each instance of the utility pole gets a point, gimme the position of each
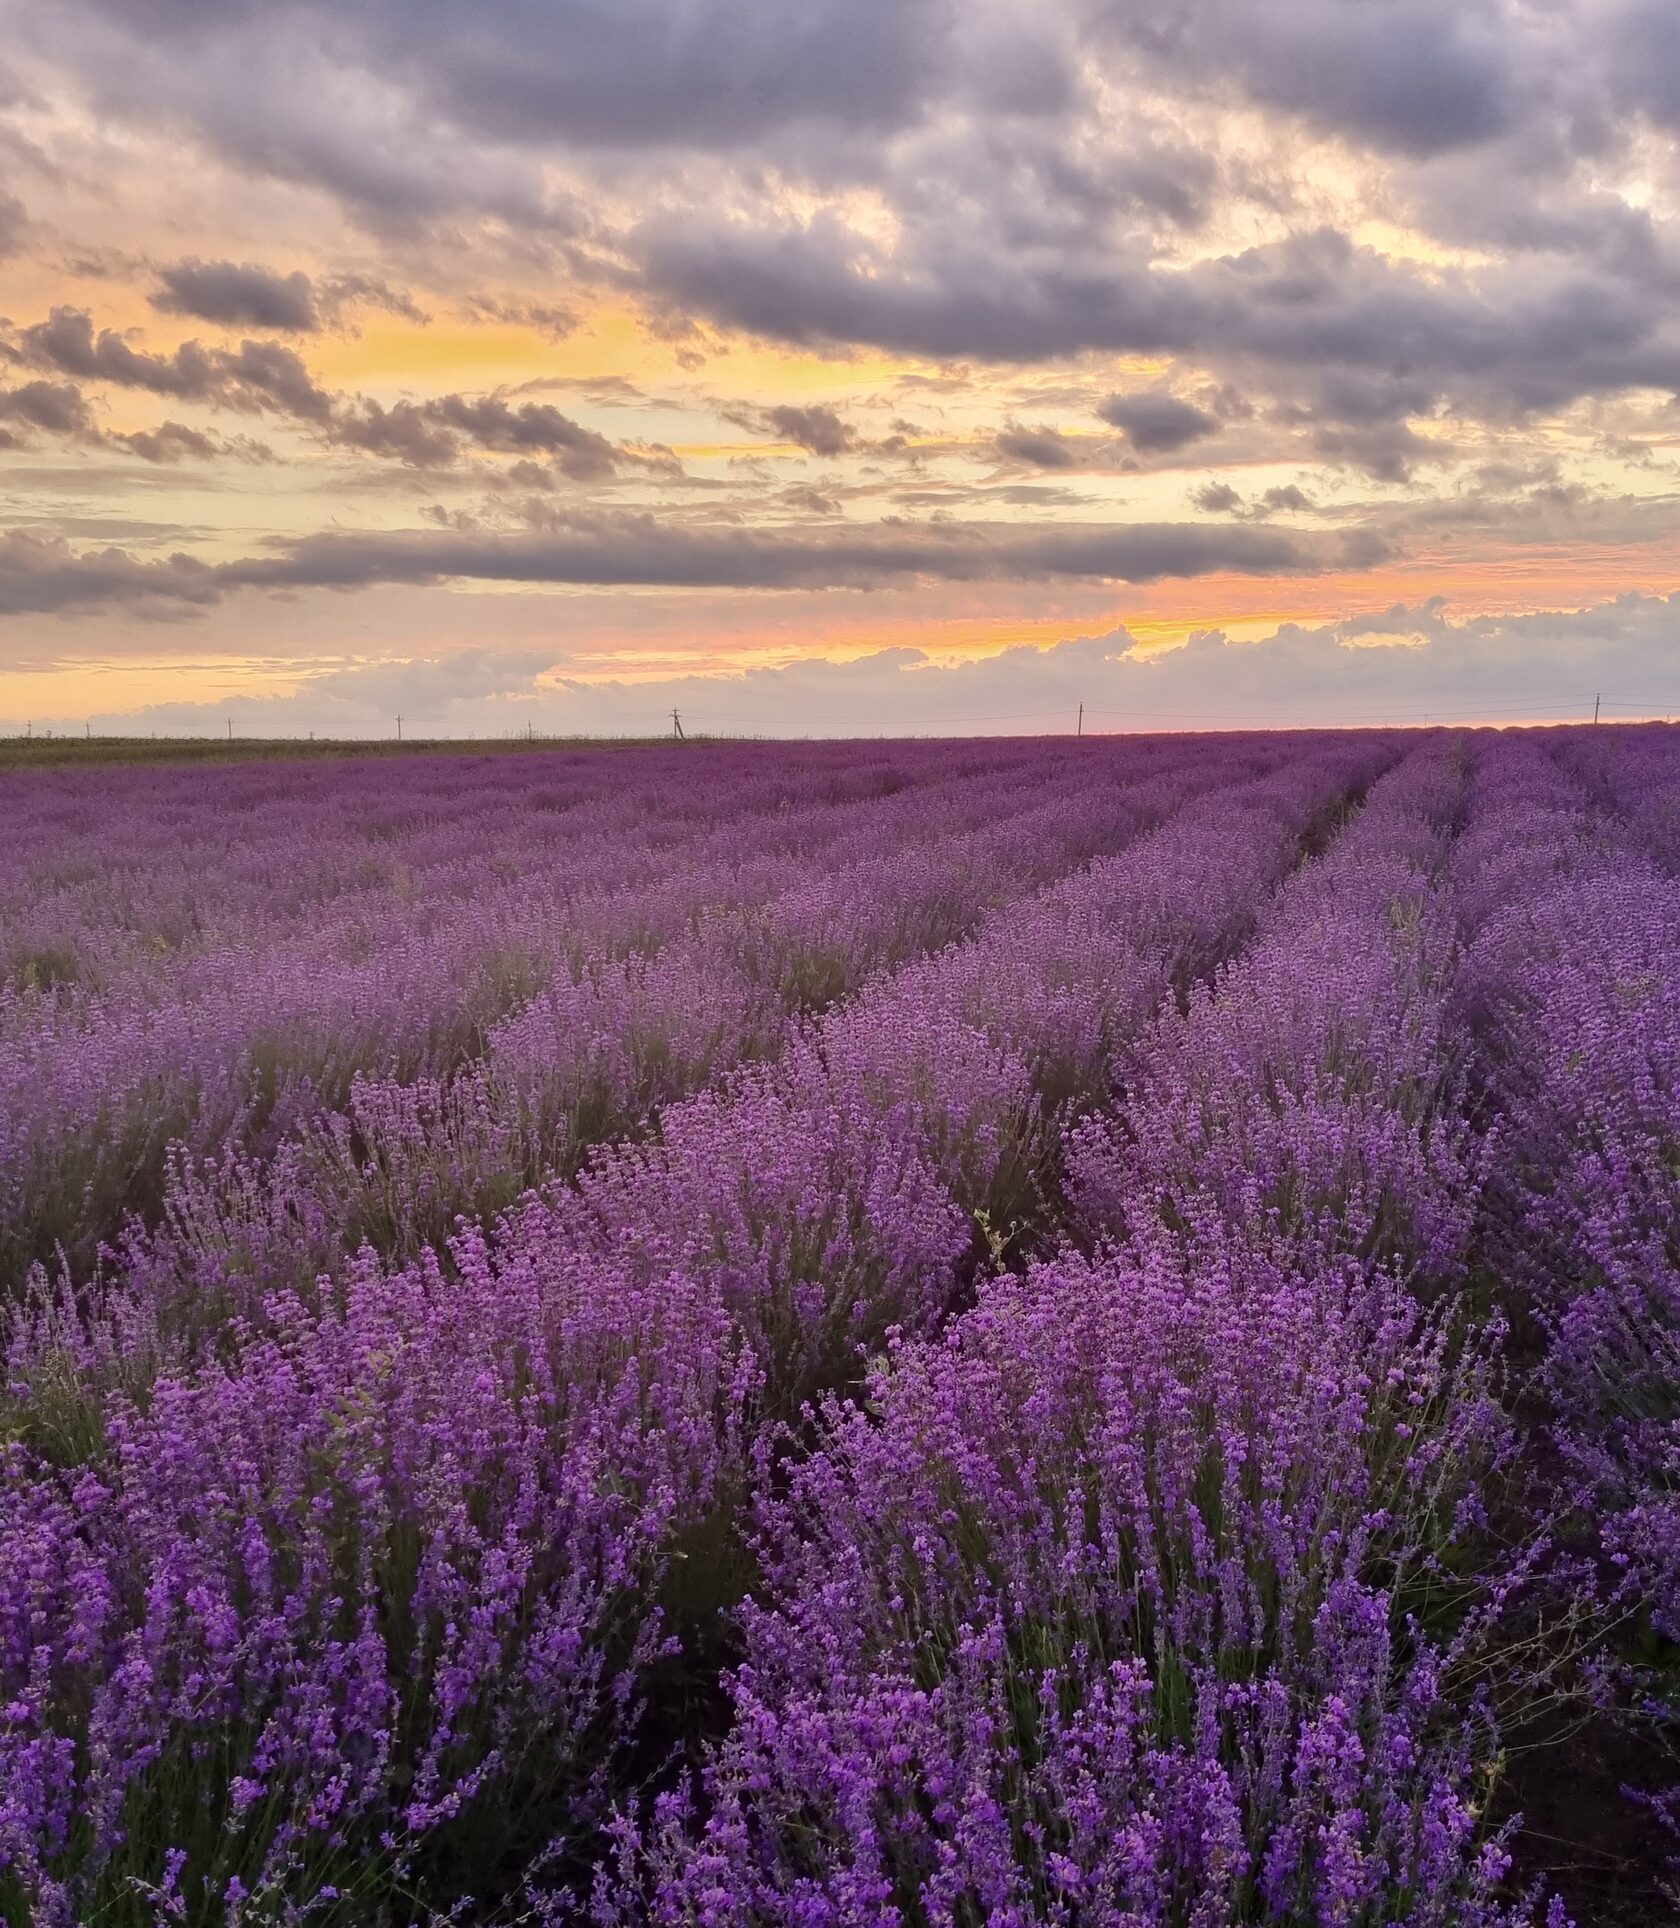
(677, 728)
(1596, 701)
(230, 729)
(399, 727)
(1081, 729)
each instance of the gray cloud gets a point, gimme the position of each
(1218, 498)
(268, 375)
(991, 186)
(1026, 215)
(1415, 77)
(630, 549)
(238, 295)
(14, 225)
(1042, 448)
(1399, 665)
(635, 73)
(432, 434)
(405, 432)
(173, 442)
(1311, 319)
(548, 319)
(1643, 39)
(41, 574)
(815, 427)
(256, 375)
(634, 549)
(1287, 496)
(58, 408)
(1156, 423)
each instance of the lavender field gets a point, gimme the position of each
(1046, 1331)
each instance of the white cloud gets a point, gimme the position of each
(1401, 665)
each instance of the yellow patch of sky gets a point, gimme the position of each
(610, 341)
(97, 688)
(1402, 243)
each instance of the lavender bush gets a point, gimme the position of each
(826, 1335)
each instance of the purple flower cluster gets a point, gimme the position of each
(820, 1335)
(1116, 1602)
(235, 966)
(356, 1553)
(1574, 982)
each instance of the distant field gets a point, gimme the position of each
(969, 1332)
(67, 751)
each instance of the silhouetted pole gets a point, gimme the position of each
(230, 729)
(1081, 730)
(399, 729)
(677, 728)
(1596, 701)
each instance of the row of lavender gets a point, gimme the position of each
(315, 1594)
(307, 979)
(1164, 1588)
(1149, 1579)
(1573, 978)
(1143, 1594)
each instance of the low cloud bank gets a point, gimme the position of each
(1407, 665)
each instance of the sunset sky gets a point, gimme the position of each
(823, 366)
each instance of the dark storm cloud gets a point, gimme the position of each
(238, 294)
(1377, 338)
(1156, 423)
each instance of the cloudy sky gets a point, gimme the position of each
(838, 364)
